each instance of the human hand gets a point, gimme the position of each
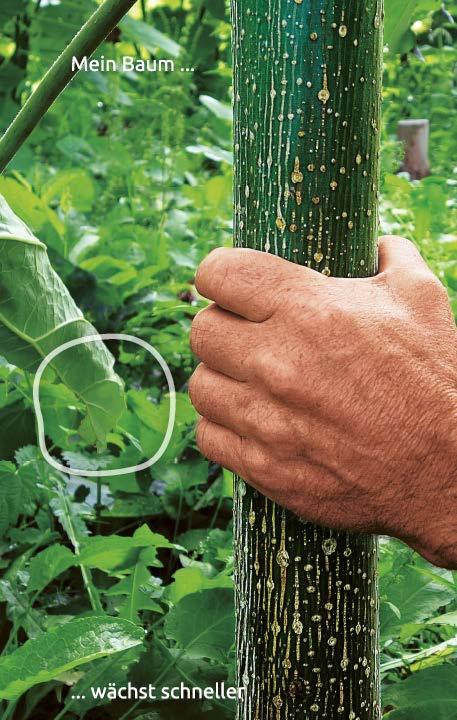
(336, 398)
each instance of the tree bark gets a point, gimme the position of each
(307, 86)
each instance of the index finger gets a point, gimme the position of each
(246, 281)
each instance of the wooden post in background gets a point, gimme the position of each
(414, 134)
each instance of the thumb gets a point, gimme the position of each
(396, 253)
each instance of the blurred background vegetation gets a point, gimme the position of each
(128, 182)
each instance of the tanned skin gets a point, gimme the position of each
(337, 398)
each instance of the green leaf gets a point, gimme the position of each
(203, 624)
(449, 618)
(430, 693)
(408, 596)
(191, 579)
(221, 111)
(62, 648)
(114, 669)
(73, 188)
(140, 588)
(213, 153)
(399, 17)
(47, 565)
(147, 36)
(29, 206)
(59, 406)
(184, 475)
(75, 149)
(113, 553)
(119, 554)
(134, 506)
(38, 314)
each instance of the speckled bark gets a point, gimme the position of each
(307, 80)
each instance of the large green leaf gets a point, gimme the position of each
(62, 648)
(399, 16)
(409, 594)
(397, 27)
(38, 314)
(47, 565)
(430, 693)
(120, 553)
(203, 624)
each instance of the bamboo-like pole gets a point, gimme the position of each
(307, 90)
(93, 32)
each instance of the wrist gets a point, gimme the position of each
(440, 517)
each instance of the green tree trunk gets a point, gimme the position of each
(307, 85)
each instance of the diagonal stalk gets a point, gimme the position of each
(85, 42)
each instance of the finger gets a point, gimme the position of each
(220, 398)
(247, 282)
(224, 341)
(306, 489)
(238, 406)
(397, 253)
(221, 445)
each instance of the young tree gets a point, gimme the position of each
(307, 86)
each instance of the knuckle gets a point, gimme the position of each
(252, 460)
(265, 364)
(194, 386)
(191, 388)
(201, 434)
(253, 416)
(196, 334)
(282, 382)
(207, 268)
(215, 268)
(199, 331)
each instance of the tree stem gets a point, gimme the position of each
(95, 30)
(307, 90)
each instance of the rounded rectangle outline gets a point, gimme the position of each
(39, 415)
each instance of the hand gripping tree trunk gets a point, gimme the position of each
(307, 77)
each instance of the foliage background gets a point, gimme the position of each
(128, 181)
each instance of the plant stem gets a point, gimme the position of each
(72, 533)
(93, 32)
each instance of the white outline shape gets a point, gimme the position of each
(39, 416)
